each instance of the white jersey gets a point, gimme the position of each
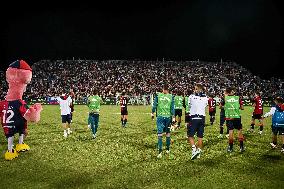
(197, 105)
(65, 105)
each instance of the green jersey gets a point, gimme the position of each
(178, 102)
(232, 107)
(94, 103)
(164, 105)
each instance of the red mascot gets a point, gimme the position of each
(14, 112)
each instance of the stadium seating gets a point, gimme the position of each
(138, 78)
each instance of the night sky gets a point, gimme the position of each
(248, 32)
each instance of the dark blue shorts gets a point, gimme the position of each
(124, 111)
(187, 118)
(234, 124)
(212, 113)
(277, 130)
(66, 118)
(256, 116)
(163, 124)
(178, 112)
(222, 119)
(12, 130)
(196, 126)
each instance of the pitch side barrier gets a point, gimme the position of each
(135, 100)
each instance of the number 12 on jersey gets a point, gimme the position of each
(5, 114)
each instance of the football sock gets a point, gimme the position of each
(65, 131)
(160, 143)
(10, 143)
(178, 124)
(221, 130)
(168, 142)
(241, 144)
(252, 126)
(121, 121)
(241, 140)
(261, 128)
(283, 146)
(274, 142)
(231, 143)
(125, 121)
(21, 138)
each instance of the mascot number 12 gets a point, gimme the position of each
(14, 112)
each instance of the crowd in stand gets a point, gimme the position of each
(140, 78)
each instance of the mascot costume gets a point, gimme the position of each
(14, 112)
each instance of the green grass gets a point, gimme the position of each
(126, 157)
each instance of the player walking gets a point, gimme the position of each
(94, 104)
(123, 108)
(178, 99)
(198, 102)
(233, 105)
(212, 108)
(257, 113)
(164, 106)
(65, 103)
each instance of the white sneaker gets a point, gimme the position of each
(65, 134)
(69, 131)
(260, 132)
(159, 155)
(94, 136)
(220, 136)
(273, 145)
(89, 126)
(227, 135)
(198, 156)
(282, 150)
(167, 151)
(194, 155)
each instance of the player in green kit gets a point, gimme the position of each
(186, 106)
(233, 105)
(164, 105)
(178, 107)
(94, 103)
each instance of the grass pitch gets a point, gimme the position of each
(126, 157)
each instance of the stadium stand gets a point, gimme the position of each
(140, 79)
